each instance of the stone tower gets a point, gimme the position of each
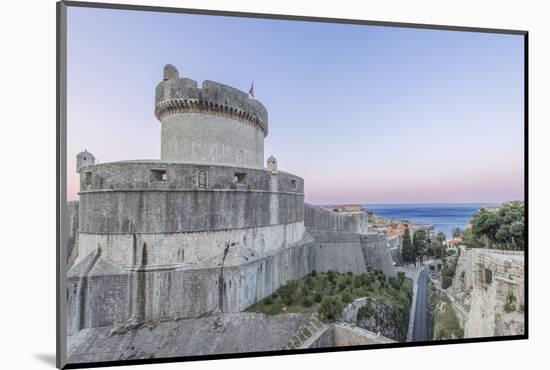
(84, 159)
(213, 124)
(207, 228)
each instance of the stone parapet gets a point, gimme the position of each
(165, 175)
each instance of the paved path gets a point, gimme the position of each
(421, 328)
(411, 272)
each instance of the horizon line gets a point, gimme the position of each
(413, 203)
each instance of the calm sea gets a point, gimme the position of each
(444, 217)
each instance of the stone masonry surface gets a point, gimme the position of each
(228, 333)
(488, 292)
(202, 233)
(213, 124)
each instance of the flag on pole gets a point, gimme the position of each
(251, 90)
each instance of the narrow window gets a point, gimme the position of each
(488, 276)
(240, 178)
(293, 184)
(158, 175)
(202, 179)
(88, 178)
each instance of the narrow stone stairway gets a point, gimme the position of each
(313, 326)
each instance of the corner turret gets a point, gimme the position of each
(272, 165)
(84, 159)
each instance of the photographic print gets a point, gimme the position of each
(251, 185)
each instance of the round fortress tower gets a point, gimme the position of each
(212, 124)
(207, 228)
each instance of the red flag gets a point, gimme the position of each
(251, 90)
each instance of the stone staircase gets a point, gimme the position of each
(313, 326)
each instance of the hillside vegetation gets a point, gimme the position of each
(445, 323)
(498, 228)
(329, 292)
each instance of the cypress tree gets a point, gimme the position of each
(407, 248)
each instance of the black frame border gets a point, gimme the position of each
(61, 171)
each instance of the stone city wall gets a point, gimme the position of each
(497, 303)
(377, 253)
(488, 292)
(347, 234)
(188, 198)
(101, 293)
(323, 219)
(189, 247)
(140, 175)
(184, 211)
(395, 244)
(337, 250)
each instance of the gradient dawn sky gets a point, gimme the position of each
(364, 114)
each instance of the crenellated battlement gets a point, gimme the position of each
(182, 95)
(211, 124)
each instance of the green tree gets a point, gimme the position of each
(503, 228)
(486, 224)
(420, 244)
(440, 247)
(457, 232)
(407, 248)
(469, 238)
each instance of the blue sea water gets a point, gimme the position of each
(444, 217)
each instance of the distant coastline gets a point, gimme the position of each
(443, 216)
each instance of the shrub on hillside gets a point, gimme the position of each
(287, 292)
(346, 297)
(318, 298)
(331, 309)
(307, 301)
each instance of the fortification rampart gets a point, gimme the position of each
(207, 228)
(162, 175)
(395, 243)
(102, 293)
(323, 219)
(189, 248)
(185, 213)
(159, 197)
(338, 250)
(228, 277)
(377, 253)
(346, 236)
